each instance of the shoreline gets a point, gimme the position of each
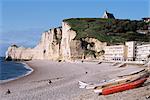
(25, 65)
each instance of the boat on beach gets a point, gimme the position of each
(121, 87)
(118, 84)
(116, 81)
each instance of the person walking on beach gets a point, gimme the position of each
(49, 82)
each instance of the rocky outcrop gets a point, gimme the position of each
(48, 47)
(70, 48)
(57, 44)
(19, 53)
(75, 49)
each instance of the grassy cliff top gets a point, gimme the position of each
(109, 30)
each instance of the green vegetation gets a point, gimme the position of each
(109, 30)
(90, 52)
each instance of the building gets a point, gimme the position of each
(147, 19)
(108, 15)
(142, 52)
(131, 51)
(115, 52)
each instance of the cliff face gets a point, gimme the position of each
(19, 53)
(48, 47)
(56, 44)
(70, 48)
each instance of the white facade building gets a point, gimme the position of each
(116, 52)
(128, 52)
(142, 52)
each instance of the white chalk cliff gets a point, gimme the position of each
(56, 44)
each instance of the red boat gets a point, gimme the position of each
(123, 87)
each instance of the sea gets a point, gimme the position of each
(11, 70)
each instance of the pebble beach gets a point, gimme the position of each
(59, 81)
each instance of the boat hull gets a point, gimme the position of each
(124, 80)
(123, 87)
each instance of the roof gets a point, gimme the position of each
(108, 15)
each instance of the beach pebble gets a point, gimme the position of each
(147, 97)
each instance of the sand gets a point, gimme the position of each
(64, 77)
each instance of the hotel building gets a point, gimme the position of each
(131, 51)
(142, 51)
(115, 52)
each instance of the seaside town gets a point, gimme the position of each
(103, 58)
(134, 51)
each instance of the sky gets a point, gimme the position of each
(23, 21)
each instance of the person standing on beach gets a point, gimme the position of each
(8, 92)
